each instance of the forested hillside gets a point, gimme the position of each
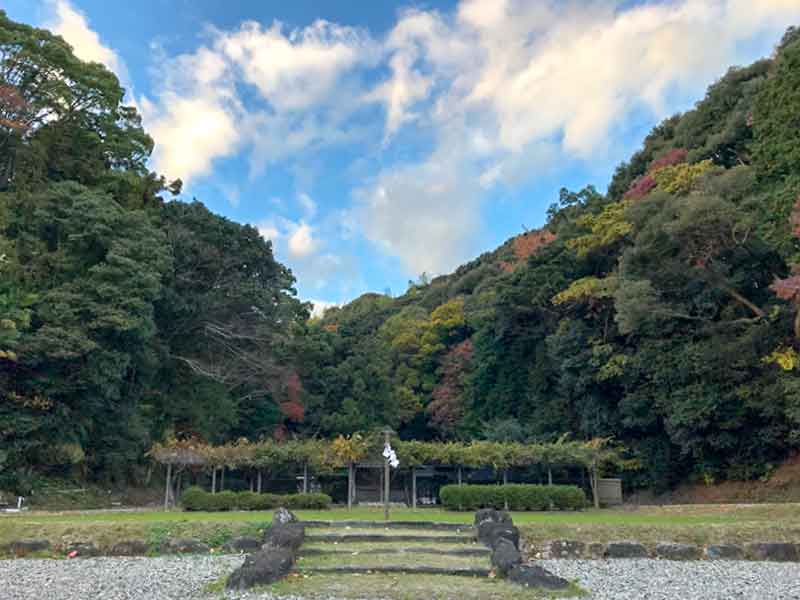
(663, 313)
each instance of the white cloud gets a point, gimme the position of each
(73, 26)
(297, 69)
(301, 242)
(320, 306)
(308, 205)
(508, 86)
(500, 91)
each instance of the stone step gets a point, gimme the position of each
(421, 550)
(345, 538)
(431, 525)
(420, 570)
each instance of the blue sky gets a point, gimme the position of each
(374, 141)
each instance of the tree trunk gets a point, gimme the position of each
(167, 486)
(549, 476)
(258, 484)
(505, 483)
(214, 480)
(305, 478)
(460, 478)
(222, 478)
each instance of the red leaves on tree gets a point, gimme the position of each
(447, 407)
(527, 244)
(671, 158)
(641, 187)
(12, 104)
(647, 183)
(292, 407)
(789, 288)
(794, 219)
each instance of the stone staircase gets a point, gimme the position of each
(363, 547)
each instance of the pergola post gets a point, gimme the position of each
(386, 481)
(593, 482)
(350, 485)
(167, 486)
(414, 488)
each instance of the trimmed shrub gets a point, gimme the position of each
(307, 501)
(195, 498)
(518, 496)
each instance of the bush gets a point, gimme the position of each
(195, 498)
(518, 496)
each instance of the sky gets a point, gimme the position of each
(375, 141)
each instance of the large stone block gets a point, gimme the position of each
(262, 568)
(22, 548)
(289, 536)
(773, 551)
(672, 551)
(505, 556)
(724, 552)
(536, 577)
(626, 549)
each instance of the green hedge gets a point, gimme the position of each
(518, 496)
(195, 498)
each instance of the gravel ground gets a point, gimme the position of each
(644, 579)
(183, 578)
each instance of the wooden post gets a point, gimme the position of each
(350, 486)
(414, 488)
(305, 478)
(258, 482)
(386, 436)
(167, 487)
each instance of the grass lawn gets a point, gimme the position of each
(697, 524)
